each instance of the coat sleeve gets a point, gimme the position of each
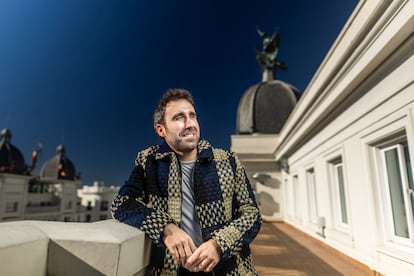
(132, 206)
(245, 224)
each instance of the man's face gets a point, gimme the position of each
(180, 130)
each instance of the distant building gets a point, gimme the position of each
(341, 166)
(55, 195)
(97, 199)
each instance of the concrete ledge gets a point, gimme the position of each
(100, 248)
(23, 249)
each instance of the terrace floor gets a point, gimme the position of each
(281, 249)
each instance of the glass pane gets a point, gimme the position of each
(341, 187)
(409, 174)
(396, 193)
(312, 195)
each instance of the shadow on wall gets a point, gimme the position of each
(273, 183)
(266, 180)
(268, 206)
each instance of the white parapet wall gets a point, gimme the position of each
(23, 249)
(64, 248)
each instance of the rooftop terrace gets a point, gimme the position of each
(113, 248)
(281, 249)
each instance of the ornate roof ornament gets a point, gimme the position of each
(267, 56)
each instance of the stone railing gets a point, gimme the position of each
(67, 248)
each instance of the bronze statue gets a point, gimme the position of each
(267, 57)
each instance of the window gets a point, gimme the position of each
(296, 196)
(398, 190)
(11, 206)
(339, 194)
(313, 209)
(104, 205)
(390, 154)
(288, 198)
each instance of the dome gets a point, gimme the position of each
(265, 107)
(11, 159)
(58, 167)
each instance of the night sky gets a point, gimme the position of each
(88, 73)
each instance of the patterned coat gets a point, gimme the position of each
(225, 205)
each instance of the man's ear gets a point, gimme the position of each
(160, 129)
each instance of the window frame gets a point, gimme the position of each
(395, 141)
(337, 201)
(312, 196)
(296, 197)
(381, 134)
(288, 194)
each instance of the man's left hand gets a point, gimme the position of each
(204, 258)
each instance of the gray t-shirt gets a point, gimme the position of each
(189, 220)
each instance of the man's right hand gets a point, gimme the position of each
(178, 242)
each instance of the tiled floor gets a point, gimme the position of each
(281, 249)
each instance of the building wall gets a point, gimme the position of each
(350, 141)
(256, 153)
(13, 196)
(56, 201)
(368, 231)
(98, 198)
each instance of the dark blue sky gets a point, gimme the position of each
(89, 73)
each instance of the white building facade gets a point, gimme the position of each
(97, 199)
(343, 159)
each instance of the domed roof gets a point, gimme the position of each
(58, 167)
(11, 159)
(265, 107)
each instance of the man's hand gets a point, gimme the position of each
(178, 242)
(205, 257)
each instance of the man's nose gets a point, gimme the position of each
(190, 122)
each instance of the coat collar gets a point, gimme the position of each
(205, 151)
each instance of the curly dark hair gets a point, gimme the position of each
(172, 94)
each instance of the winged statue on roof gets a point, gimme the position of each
(266, 57)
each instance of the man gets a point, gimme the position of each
(194, 201)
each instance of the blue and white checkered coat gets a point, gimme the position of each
(225, 205)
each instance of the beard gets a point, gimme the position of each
(182, 143)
